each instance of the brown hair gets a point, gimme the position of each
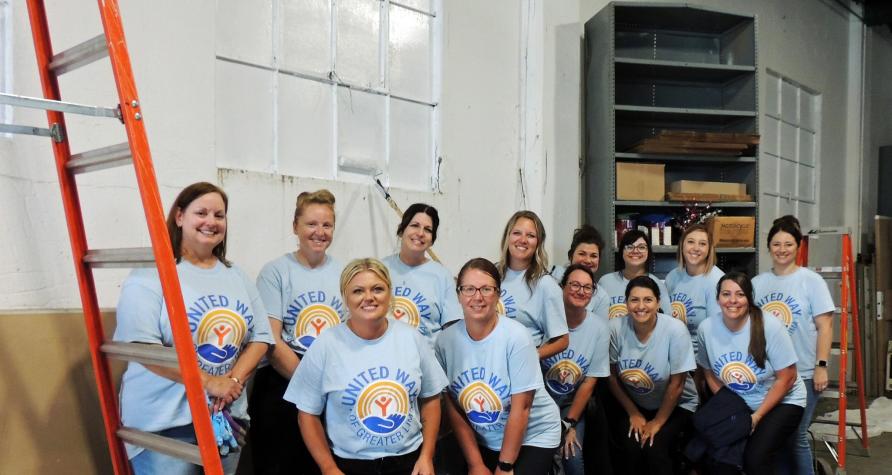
(585, 234)
(182, 201)
(710, 258)
(788, 224)
(410, 213)
(318, 197)
(483, 265)
(757, 323)
(539, 263)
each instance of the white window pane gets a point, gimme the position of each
(360, 130)
(305, 135)
(359, 23)
(789, 102)
(306, 36)
(244, 31)
(423, 5)
(772, 95)
(786, 177)
(786, 206)
(768, 172)
(789, 137)
(770, 136)
(808, 110)
(807, 216)
(410, 145)
(410, 54)
(806, 182)
(806, 147)
(244, 117)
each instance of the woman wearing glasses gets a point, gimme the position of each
(526, 296)
(570, 375)
(635, 247)
(423, 292)
(302, 299)
(585, 249)
(503, 418)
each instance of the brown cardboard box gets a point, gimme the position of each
(640, 181)
(732, 231)
(710, 187)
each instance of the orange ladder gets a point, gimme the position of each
(848, 302)
(136, 151)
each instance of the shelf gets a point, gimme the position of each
(679, 114)
(679, 70)
(680, 204)
(658, 157)
(718, 250)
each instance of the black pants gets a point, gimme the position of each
(276, 444)
(596, 445)
(660, 458)
(763, 445)
(396, 465)
(530, 461)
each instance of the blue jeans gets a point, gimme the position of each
(796, 458)
(148, 462)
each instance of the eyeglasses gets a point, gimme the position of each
(470, 290)
(633, 248)
(576, 287)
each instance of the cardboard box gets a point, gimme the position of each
(732, 231)
(709, 187)
(640, 181)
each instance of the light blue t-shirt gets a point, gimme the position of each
(726, 354)
(307, 301)
(645, 368)
(225, 313)
(368, 389)
(600, 303)
(586, 356)
(693, 298)
(796, 299)
(423, 296)
(615, 285)
(540, 311)
(483, 375)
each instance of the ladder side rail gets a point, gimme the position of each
(148, 189)
(848, 255)
(74, 219)
(843, 361)
(802, 257)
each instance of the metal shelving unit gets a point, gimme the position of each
(656, 66)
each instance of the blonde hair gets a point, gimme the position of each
(539, 263)
(318, 197)
(710, 258)
(370, 264)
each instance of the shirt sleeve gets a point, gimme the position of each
(269, 287)
(601, 302)
(665, 300)
(702, 355)
(712, 302)
(451, 308)
(778, 344)
(305, 388)
(819, 296)
(523, 363)
(552, 308)
(615, 339)
(681, 351)
(261, 331)
(139, 311)
(600, 363)
(433, 379)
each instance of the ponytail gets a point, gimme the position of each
(757, 336)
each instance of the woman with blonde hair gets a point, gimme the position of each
(376, 381)
(302, 299)
(535, 302)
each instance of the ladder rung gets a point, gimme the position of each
(47, 104)
(79, 55)
(125, 257)
(25, 130)
(827, 269)
(142, 353)
(165, 445)
(99, 159)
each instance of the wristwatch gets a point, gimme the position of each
(570, 422)
(821, 364)
(506, 466)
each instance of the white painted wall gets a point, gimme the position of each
(499, 115)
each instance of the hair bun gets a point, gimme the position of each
(788, 219)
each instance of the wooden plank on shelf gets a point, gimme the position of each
(720, 137)
(706, 197)
(674, 149)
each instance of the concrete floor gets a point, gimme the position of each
(879, 461)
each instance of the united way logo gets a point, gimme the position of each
(779, 310)
(637, 380)
(738, 376)
(220, 335)
(312, 320)
(481, 404)
(562, 377)
(679, 311)
(383, 406)
(405, 311)
(617, 310)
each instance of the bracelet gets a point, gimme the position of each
(235, 379)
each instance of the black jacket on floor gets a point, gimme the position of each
(722, 427)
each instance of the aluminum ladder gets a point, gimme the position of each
(845, 273)
(135, 151)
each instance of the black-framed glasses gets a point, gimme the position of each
(470, 290)
(576, 287)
